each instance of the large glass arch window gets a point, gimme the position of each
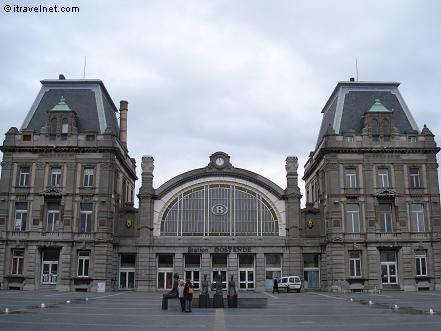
(219, 210)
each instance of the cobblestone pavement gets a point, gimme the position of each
(285, 311)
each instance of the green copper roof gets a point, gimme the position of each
(61, 106)
(378, 107)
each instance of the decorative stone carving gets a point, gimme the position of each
(6, 165)
(426, 131)
(147, 164)
(292, 164)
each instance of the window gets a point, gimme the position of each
(24, 175)
(83, 263)
(21, 213)
(420, 263)
(383, 177)
(417, 217)
(88, 176)
(350, 178)
(53, 216)
(86, 217)
(17, 262)
(386, 128)
(385, 217)
(220, 209)
(64, 126)
(53, 127)
(355, 264)
(349, 139)
(27, 137)
(374, 126)
(412, 139)
(352, 218)
(414, 177)
(165, 271)
(55, 176)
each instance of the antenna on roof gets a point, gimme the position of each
(84, 68)
(356, 69)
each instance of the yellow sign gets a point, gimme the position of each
(309, 223)
(129, 223)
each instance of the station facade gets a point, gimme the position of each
(67, 216)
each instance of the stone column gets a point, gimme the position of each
(293, 196)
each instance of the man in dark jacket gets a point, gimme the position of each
(276, 286)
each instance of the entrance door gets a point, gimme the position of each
(311, 271)
(192, 269)
(127, 278)
(311, 278)
(246, 271)
(127, 271)
(246, 278)
(49, 267)
(388, 266)
(219, 264)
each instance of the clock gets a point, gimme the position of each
(219, 162)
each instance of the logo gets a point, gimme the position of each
(129, 223)
(219, 209)
(309, 223)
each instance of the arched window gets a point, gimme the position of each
(374, 127)
(64, 126)
(53, 128)
(219, 210)
(386, 127)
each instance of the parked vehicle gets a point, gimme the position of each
(290, 283)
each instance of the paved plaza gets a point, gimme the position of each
(285, 311)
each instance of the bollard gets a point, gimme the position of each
(87, 299)
(42, 305)
(431, 312)
(396, 306)
(370, 302)
(6, 310)
(351, 299)
(67, 301)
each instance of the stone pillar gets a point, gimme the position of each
(123, 109)
(146, 193)
(293, 196)
(64, 269)
(259, 267)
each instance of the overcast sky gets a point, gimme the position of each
(249, 78)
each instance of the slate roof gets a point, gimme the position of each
(349, 101)
(88, 98)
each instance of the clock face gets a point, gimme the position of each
(219, 162)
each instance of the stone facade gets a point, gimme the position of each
(67, 221)
(372, 189)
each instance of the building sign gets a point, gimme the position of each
(219, 209)
(219, 249)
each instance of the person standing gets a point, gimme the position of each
(181, 288)
(188, 294)
(276, 285)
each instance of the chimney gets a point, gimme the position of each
(123, 108)
(61, 77)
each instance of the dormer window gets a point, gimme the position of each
(53, 128)
(412, 139)
(378, 120)
(65, 126)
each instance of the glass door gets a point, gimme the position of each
(192, 269)
(388, 265)
(127, 271)
(49, 267)
(219, 264)
(246, 271)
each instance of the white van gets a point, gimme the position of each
(290, 283)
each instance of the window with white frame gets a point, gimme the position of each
(417, 217)
(83, 263)
(385, 217)
(412, 139)
(88, 175)
(355, 264)
(21, 213)
(86, 217)
(350, 178)
(421, 263)
(23, 177)
(383, 177)
(414, 177)
(53, 216)
(352, 218)
(55, 176)
(17, 262)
